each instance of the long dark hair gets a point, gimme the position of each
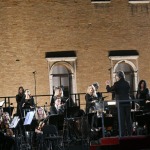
(139, 85)
(21, 87)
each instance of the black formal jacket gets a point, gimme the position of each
(121, 89)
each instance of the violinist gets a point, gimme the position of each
(40, 115)
(58, 107)
(58, 93)
(5, 121)
(41, 118)
(10, 142)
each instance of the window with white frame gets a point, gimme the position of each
(139, 1)
(62, 71)
(100, 1)
(126, 61)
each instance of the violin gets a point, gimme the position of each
(9, 131)
(42, 123)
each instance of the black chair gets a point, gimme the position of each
(51, 139)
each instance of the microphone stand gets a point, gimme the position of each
(35, 87)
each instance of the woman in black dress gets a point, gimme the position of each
(142, 93)
(19, 97)
(27, 102)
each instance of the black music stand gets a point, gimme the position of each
(108, 121)
(57, 120)
(71, 112)
(32, 126)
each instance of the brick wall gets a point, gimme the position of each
(29, 28)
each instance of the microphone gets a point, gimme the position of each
(34, 72)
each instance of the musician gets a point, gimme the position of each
(19, 97)
(99, 94)
(122, 88)
(27, 102)
(90, 98)
(41, 118)
(9, 139)
(58, 107)
(143, 93)
(40, 113)
(58, 93)
(6, 120)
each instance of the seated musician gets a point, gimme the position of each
(27, 103)
(57, 108)
(9, 139)
(41, 118)
(40, 115)
(58, 93)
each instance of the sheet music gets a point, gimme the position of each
(111, 103)
(14, 122)
(1, 103)
(29, 118)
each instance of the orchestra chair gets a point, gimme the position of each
(51, 139)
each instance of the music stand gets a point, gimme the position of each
(57, 120)
(71, 111)
(2, 103)
(29, 118)
(108, 121)
(14, 122)
(29, 125)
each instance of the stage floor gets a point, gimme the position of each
(124, 143)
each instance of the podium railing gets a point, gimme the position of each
(118, 111)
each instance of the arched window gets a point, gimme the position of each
(127, 61)
(62, 71)
(128, 71)
(61, 77)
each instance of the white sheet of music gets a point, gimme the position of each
(29, 118)
(1, 103)
(111, 103)
(14, 122)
